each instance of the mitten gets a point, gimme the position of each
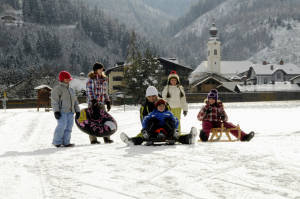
(57, 115)
(77, 115)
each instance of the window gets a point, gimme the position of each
(208, 53)
(215, 52)
(117, 78)
(265, 81)
(117, 87)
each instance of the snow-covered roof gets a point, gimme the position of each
(42, 86)
(269, 69)
(278, 86)
(227, 67)
(78, 83)
(229, 85)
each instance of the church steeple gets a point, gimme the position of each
(214, 51)
(213, 31)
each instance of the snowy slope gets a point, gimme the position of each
(266, 167)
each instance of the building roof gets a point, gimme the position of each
(229, 85)
(202, 77)
(278, 86)
(174, 61)
(297, 77)
(42, 86)
(227, 67)
(269, 69)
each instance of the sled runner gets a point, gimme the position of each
(216, 134)
(101, 124)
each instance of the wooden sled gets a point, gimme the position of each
(216, 134)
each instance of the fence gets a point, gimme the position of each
(191, 98)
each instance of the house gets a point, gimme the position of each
(116, 73)
(115, 78)
(267, 73)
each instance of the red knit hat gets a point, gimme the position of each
(159, 102)
(64, 75)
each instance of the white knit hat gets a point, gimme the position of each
(151, 90)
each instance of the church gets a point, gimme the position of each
(214, 73)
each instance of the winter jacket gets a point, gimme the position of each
(63, 99)
(213, 112)
(147, 107)
(175, 101)
(97, 88)
(161, 116)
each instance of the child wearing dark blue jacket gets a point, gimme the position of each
(160, 124)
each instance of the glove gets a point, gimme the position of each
(107, 105)
(222, 117)
(94, 102)
(208, 110)
(184, 113)
(77, 115)
(57, 115)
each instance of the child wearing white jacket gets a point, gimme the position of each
(174, 94)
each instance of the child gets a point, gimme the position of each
(174, 95)
(97, 96)
(160, 124)
(64, 104)
(213, 114)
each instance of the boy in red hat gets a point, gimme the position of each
(213, 114)
(160, 124)
(64, 104)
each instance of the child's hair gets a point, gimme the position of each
(159, 102)
(174, 75)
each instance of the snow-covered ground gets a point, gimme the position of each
(266, 167)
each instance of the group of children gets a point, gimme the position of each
(160, 117)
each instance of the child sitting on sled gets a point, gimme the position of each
(212, 115)
(160, 124)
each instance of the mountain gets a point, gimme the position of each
(40, 37)
(147, 17)
(248, 29)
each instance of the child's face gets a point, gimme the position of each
(99, 71)
(211, 100)
(161, 107)
(173, 81)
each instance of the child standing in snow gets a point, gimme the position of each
(97, 96)
(64, 104)
(212, 114)
(159, 124)
(173, 93)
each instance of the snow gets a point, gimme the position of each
(266, 167)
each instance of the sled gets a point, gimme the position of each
(96, 127)
(216, 134)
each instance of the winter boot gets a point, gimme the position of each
(248, 137)
(203, 136)
(192, 136)
(126, 139)
(170, 142)
(69, 145)
(149, 143)
(107, 140)
(57, 145)
(146, 134)
(95, 142)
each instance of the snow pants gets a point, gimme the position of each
(62, 133)
(177, 113)
(208, 125)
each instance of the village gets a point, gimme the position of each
(237, 81)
